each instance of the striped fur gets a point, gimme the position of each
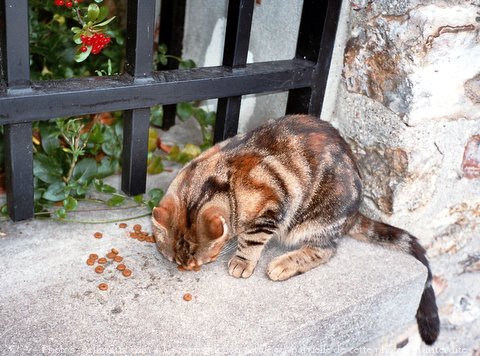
(294, 179)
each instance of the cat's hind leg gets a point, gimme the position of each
(317, 248)
(298, 261)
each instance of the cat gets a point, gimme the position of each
(294, 179)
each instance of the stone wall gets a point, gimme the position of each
(409, 105)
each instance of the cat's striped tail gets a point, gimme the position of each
(365, 229)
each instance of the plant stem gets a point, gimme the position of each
(79, 17)
(173, 57)
(100, 221)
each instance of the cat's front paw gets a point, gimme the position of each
(240, 267)
(282, 268)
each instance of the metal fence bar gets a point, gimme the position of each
(315, 43)
(80, 96)
(237, 39)
(172, 20)
(139, 64)
(15, 70)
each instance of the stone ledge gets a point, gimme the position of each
(50, 301)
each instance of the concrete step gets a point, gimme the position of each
(50, 303)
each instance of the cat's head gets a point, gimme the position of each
(193, 243)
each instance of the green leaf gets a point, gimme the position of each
(76, 29)
(98, 184)
(155, 165)
(156, 115)
(162, 48)
(138, 198)
(174, 153)
(77, 39)
(184, 111)
(61, 213)
(50, 141)
(187, 64)
(201, 116)
(119, 129)
(96, 135)
(162, 59)
(116, 200)
(70, 204)
(155, 196)
(103, 13)
(107, 167)
(55, 192)
(47, 168)
(38, 193)
(191, 150)
(152, 140)
(104, 23)
(93, 12)
(210, 119)
(81, 56)
(85, 170)
(108, 189)
(156, 193)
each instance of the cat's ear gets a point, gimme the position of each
(163, 214)
(214, 223)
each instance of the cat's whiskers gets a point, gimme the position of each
(229, 248)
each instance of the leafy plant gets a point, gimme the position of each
(54, 47)
(69, 155)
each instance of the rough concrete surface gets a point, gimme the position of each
(50, 302)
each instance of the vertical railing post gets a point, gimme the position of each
(172, 21)
(237, 39)
(15, 74)
(139, 64)
(315, 43)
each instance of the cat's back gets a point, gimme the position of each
(286, 134)
(280, 164)
(300, 143)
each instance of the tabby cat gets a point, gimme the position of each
(293, 178)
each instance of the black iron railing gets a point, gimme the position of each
(23, 101)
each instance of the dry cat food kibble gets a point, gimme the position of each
(111, 258)
(121, 267)
(137, 227)
(187, 297)
(98, 235)
(122, 225)
(93, 256)
(142, 236)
